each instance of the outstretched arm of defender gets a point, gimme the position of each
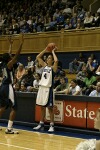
(10, 46)
(14, 59)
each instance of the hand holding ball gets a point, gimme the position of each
(51, 46)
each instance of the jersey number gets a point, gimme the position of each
(45, 76)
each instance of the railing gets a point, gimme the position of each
(66, 40)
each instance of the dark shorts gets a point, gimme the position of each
(4, 97)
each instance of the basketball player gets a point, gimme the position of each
(45, 92)
(7, 94)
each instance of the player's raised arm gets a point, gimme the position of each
(14, 59)
(55, 65)
(39, 57)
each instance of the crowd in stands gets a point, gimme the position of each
(87, 77)
(29, 16)
(51, 15)
(86, 81)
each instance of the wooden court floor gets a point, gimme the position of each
(28, 140)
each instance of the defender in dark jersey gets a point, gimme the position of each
(7, 94)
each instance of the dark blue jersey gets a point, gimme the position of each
(8, 74)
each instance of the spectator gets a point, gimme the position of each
(17, 87)
(98, 70)
(96, 92)
(60, 21)
(45, 58)
(35, 86)
(56, 14)
(73, 89)
(66, 24)
(20, 21)
(27, 78)
(39, 25)
(78, 7)
(74, 20)
(94, 58)
(29, 62)
(88, 20)
(67, 12)
(25, 27)
(16, 29)
(91, 64)
(79, 24)
(81, 15)
(57, 80)
(76, 64)
(97, 75)
(81, 75)
(63, 85)
(23, 88)
(88, 83)
(96, 21)
(30, 20)
(20, 72)
(51, 25)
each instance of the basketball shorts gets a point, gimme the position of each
(7, 96)
(45, 96)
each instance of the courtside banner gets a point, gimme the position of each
(75, 113)
(58, 112)
(92, 107)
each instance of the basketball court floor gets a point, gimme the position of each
(27, 139)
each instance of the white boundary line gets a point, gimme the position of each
(26, 148)
(16, 146)
(46, 133)
(50, 134)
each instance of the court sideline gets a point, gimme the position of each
(29, 140)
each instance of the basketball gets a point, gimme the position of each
(50, 47)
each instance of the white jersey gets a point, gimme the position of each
(46, 79)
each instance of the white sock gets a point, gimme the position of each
(51, 123)
(41, 122)
(10, 124)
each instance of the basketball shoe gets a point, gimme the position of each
(51, 129)
(40, 127)
(11, 131)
